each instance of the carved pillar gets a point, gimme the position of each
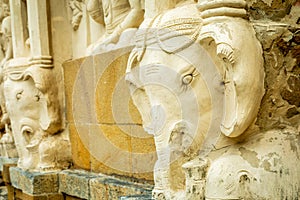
(39, 33)
(32, 92)
(19, 27)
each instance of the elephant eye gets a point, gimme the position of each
(187, 79)
(27, 132)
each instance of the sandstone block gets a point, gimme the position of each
(75, 183)
(34, 183)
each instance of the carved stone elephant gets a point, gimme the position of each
(31, 102)
(193, 76)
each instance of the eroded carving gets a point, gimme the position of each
(76, 7)
(221, 20)
(6, 41)
(35, 116)
(257, 170)
(169, 83)
(165, 90)
(7, 144)
(117, 16)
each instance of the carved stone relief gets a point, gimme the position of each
(155, 7)
(262, 167)
(34, 112)
(30, 91)
(6, 43)
(218, 27)
(76, 6)
(166, 89)
(116, 16)
(7, 144)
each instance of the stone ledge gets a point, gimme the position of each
(75, 183)
(18, 194)
(34, 183)
(87, 185)
(112, 188)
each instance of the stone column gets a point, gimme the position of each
(18, 26)
(39, 33)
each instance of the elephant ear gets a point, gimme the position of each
(45, 81)
(44, 86)
(240, 63)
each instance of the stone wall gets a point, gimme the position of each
(105, 128)
(277, 28)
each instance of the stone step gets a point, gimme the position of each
(77, 184)
(93, 186)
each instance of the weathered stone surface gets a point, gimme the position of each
(112, 98)
(31, 83)
(75, 183)
(265, 161)
(34, 183)
(20, 195)
(193, 77)
(274, 10)
(121, 16)
(280, 105)
(111, 188)
(71, 198)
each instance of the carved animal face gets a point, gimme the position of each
(176, 100)
(173, 98)
(174, 82)
(184, 93)
(25, 106)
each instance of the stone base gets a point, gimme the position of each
(34, 183)
(97, 186)
(24, 185)
(71, 185)
(18, 194)
(111, 188)
(75, 183)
